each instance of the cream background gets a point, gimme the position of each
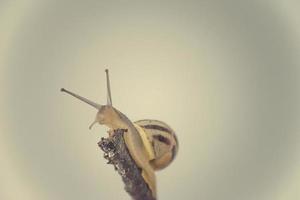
(223, 74)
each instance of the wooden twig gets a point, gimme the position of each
(116, 152)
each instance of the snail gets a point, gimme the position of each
(151, 143)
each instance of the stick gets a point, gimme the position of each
(117, 154)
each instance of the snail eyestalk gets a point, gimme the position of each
(109, 100)
(95, 105)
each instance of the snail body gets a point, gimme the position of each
(151, 143)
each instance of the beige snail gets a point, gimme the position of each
(151, 143)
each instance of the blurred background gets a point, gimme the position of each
(224, 74)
